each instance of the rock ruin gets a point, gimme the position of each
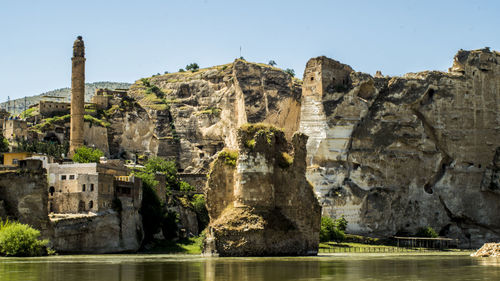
(258, 198)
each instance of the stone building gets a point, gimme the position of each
(103, 97)
(90, 187)
(52, 108)
(15, 128)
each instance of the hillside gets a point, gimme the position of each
(64, 93)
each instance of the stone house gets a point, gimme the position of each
(90, 187)
(51, 108)
(102, 97)
(15, 128)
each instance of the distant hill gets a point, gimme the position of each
(63, 93)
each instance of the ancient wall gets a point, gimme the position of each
(23, 197)
(50, 108)
(108, 232)
(397, 153)
(258, 198)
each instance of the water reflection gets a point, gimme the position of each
(347, 267)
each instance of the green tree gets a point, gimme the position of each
(17, 239)
(151, 208)
(272, 63)
(192, 66)
(200, 209)
(87, 155)
(290, 71)
(168, 168)
(426, 232)
(330, 229)
(4, 144)
(341, 223)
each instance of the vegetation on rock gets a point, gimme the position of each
(229, 156)
(44, 147)
(290, 71)
(17, 239)
(87, 155)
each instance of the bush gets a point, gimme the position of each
(426, 232)
(87, 155)
(17, 239)
(272, 63)
(4, 144)
(290, 71)
(332, 230)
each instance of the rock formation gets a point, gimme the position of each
(394, 154)
(258, 198)
(190, 116)
(488, 250)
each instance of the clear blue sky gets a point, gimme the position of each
(127, 40)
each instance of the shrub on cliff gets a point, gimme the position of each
(87, 155)
(290, 71)
(17, 239)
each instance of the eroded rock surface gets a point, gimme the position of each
(258, 198)
(394, 154)
(190, 116)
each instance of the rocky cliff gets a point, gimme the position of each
(258, 198)
(190, 116)
(106, 232)
(394, 154)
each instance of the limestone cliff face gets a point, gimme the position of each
(107, 232)
(258, 198)
(394, 154)
(190, 116)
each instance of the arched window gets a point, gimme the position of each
(52, 190)
(83, 187)
(91, 187)
(91, 204)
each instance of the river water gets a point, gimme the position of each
(183, 267)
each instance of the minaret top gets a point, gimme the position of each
(78, 47)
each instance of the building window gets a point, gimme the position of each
(91, 204)
(63, 177)
(52, 190)
(91, 187)
(71, 177)
(83, 187)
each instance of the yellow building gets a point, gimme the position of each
(13, 158)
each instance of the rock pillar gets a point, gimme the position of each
(77, 95)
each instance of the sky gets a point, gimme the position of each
(127, 40)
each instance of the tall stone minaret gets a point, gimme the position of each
(77, 95)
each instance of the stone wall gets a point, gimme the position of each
(23, 197)
(393, 154)
(258, 198)
(107, 232)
